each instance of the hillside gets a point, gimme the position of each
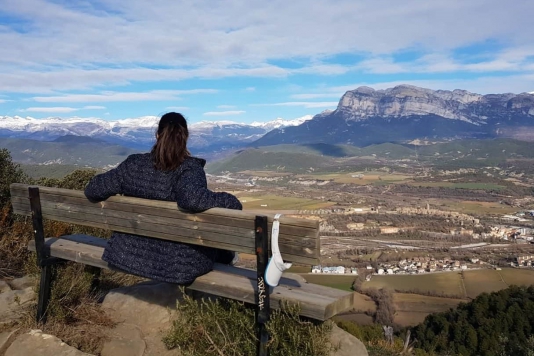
(67, 150)
(329, 157)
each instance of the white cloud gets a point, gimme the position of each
(177, 108)
(147, 32)
(305, 104)
(226, 107)
(240, 40)
(58, 109)
(111, 96)
(94, 107)
(480, 85)
(224, 113)
(315, 95)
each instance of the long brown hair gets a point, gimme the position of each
(170, 149)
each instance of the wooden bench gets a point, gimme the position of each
(233, 230)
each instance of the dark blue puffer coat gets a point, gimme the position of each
(153, 258)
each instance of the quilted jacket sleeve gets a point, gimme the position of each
(192, 193)
(105, 185)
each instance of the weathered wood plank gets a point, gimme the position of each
(226, 281)
(228, 215)
(222, 228)
(225, 242)
(150, 218)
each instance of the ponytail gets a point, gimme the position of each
(170, 149)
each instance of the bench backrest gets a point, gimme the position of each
(221, 228)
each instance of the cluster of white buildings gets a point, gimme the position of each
(419, 265)
(524, 261)
(334, 270)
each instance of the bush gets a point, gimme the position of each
(224, 327)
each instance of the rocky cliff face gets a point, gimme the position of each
(406, 100)
(366, 116)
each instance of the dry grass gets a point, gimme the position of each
(446, 283)
(412, 309)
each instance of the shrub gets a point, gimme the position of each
(222, 327)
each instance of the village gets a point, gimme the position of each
(420, 265)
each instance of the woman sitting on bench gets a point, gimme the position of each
(169, 173)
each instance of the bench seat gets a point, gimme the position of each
(233, 230)
(316, 302)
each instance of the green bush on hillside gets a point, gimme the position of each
(500, 323)
(223, 327)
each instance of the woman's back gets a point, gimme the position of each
(185, 183)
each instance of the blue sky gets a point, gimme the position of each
(249, 60)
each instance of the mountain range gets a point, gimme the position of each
(402, 115)
(139, 133)
(365, 116)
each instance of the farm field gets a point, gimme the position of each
(451, 283)
(517, 276)
(343, 282)
(412, 309)
(367, 177)
(446, 283)
(480, 281)
(270, 202)
(459, 185)
(476, 207)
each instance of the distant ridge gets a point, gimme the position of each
(139, 133)
(66, 150)
(366, 116)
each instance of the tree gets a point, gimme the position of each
(10, 172)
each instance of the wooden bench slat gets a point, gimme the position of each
(243, 235)
(316, 301)
(222, 216)
(168, 234)
(221, 228)
(174, 213)
(173, 237)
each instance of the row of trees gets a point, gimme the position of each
(500, 323)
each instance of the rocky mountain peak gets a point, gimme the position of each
(407, 100)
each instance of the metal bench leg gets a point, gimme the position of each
(43, 256)
(44, 293)
(263, 308)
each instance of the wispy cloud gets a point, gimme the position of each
(111, 96)
(316, 95)
(224, 113)
(94, 107)
(253, 52)
(62, 109)
(177, 108)
(57, 109)
(304, 104)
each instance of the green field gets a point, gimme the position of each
(366, 178)
(270, 202)
(466, 185)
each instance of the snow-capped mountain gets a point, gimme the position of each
(139, 132)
